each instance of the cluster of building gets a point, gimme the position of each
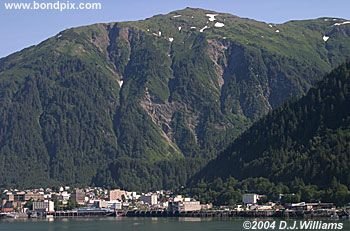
(65, 198)
(69, 199)
(251, 202)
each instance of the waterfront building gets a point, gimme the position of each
(184, 206)
(116, 194)
(251, 198)
(100, 204)
(207, 206)
(7, 206)
(43, 206)
(9, 196)
(35, 196)
(302, 206)
(117, 205)
(78, 196)
(150, 199)
(178, 198)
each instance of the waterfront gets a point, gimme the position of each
(125, 223)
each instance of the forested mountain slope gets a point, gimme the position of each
(145, 104)
(307, 140)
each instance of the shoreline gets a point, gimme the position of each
(285, 214)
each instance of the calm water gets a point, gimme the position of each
(147, 224)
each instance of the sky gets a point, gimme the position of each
(23, 28)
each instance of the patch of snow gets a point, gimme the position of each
(224, 37)
(171, 39)
(341, 23)
(155, 34)
(193, 27)
(59, 36)
(277, 31)
(326, 19)
(179, 28)
(159, 33)
(192, 17)
(211, 17)
(120, 83)
(325, 38)
(270, 25)
(219, 24)
(262, 36)
(176, 16)
(201, 30)
(147, 29)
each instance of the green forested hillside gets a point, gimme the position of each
(145, 104)
(304, 145)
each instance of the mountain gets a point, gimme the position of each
(305, 142)
(145, 104)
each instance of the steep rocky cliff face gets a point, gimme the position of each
(145, 104)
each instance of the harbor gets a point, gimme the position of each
(292, 214)
(99, 202)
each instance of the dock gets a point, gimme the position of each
(233, 213)
(84, 213)
(202, 213)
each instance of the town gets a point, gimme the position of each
(65, 201)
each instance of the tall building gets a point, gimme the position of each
(78, 196)
(116, 194)
(151, 199)
(251, 198)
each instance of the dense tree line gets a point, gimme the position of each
(230, 190)
(303, 144)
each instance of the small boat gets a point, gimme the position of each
(16, 215)
(11, 215)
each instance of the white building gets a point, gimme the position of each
(151, 199)
(43, 206)
(251, 198)
(64, 196)
(114, 204)
(100, 204)
(185, 206)
(132, 196)
(178, 198)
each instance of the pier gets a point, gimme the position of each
(84, 213)
(246, 213)
(342, 214)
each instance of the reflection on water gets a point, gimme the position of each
(191, 219)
